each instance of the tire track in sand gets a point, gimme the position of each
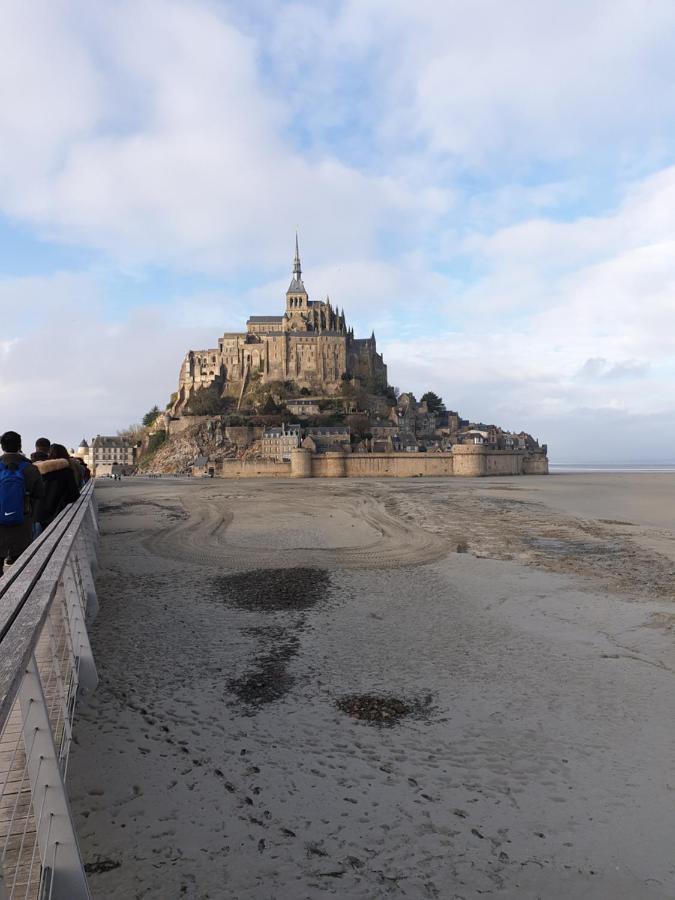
(204, 537)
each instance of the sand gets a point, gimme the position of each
(525, 625)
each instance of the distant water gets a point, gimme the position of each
(630, 467)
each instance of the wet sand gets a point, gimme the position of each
(523, 625)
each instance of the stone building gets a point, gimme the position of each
(329, 437)
(310, 344)
(277, 443)
(105, 452)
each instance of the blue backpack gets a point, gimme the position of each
(12, 494)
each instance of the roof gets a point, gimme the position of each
(201, 461)
(296, 287)
(329, 429)
(282, 431)
(109, 441)
(265, 319)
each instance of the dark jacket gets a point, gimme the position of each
(77, 472)
(60, 489)
(34, 486)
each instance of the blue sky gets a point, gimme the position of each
(490, 186)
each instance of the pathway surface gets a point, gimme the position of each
(530, 646)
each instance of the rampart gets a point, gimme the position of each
(469, 460)
(252, 468)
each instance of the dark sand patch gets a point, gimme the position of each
(269, 679)
(274, 590)
(382, 709)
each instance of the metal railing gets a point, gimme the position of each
(47, 598)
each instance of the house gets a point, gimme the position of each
(330, 437)
(473, 436)
(105, 451)
(383, 428)
(277, 442)
(304, 406)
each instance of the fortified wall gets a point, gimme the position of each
(468, 460)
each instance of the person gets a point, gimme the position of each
(21, 488)
(60, 487)
(78, 474)
(41, 453)
(86, 474)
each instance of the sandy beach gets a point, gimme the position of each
(520, 629)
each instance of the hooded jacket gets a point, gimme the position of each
(59, 486)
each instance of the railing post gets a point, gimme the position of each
(87, 579)
(75, 598)
(61, 860)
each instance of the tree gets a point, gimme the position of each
(156, 440)
(150, 416)
(359, 425)
(133, 434)
(433, 401)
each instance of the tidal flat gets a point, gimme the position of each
(417, 688)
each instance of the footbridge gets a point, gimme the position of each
(47, 599)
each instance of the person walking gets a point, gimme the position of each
(60, 487)
(42, 446)
(21, 488)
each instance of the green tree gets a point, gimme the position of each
(433, 401)
(150, 416)
(156, 440)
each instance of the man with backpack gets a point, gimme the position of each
(20, 487)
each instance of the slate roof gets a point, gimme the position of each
(106, 441)
(296, 287)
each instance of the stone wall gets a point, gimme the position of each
(535, 464)
(469, 460)
(251, 468)
(178, 426)
(398, 465)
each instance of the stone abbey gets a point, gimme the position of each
(310, 344)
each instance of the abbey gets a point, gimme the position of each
(310, 344)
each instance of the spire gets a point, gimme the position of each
(296, 285)
(297, 271)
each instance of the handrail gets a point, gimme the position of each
(32, 562)
(46, 601)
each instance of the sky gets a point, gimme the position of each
(489, 186)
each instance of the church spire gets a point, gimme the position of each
(297, 271)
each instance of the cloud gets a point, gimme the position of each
(170, 148)
(69, 372)
(599, 368)
(489, 186)
(479, 84)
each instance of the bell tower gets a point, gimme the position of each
(297, 300)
